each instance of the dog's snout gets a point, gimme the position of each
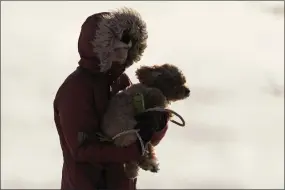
(187, 91)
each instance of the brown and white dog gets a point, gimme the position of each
(159, 86)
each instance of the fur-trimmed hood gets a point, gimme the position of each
(99, 33)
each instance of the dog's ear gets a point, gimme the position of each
(147, 75)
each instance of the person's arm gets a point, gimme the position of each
(76, 114)
(153, 126)
(121, 83)
(158, 136)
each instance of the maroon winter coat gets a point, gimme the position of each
(82, 99)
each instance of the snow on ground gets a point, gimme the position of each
(231, 52)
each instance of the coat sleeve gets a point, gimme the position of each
(121, 83)
(76, 114)
(158, 136)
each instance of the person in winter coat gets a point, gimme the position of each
(109, 42)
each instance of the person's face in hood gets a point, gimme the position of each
(112, 39)
(120, 54)
(121, 50)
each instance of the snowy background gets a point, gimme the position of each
(232, 54)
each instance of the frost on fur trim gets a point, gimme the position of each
(115, 26)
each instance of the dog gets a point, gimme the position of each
(159, 85)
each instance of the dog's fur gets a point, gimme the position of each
(159, 86)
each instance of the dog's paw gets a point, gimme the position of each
(149, 165)
(154, 168)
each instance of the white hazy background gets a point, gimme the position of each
(232, 54)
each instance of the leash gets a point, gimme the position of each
(136, 131)
(103, 138)
(182, 124)
(139, 105)
(138, 102)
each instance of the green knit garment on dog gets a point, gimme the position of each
(138, 103)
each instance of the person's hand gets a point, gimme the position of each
(121, 84)
(116, 71)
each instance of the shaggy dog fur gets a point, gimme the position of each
(159, 85)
